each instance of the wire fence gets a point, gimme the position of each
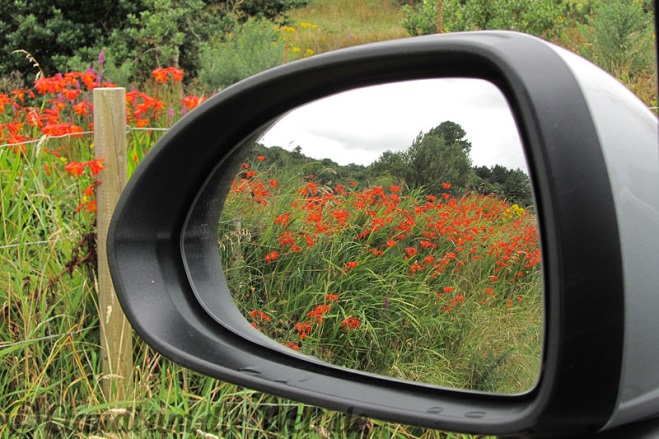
(47, 337)
(25, 244)
(77, 134)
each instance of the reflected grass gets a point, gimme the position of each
(415, 286)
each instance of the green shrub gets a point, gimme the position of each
(622, 34)
(540, 17)
(254, 47)
(421, 19)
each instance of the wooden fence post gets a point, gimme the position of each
(116, 332)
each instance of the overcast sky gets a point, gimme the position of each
(359, 125)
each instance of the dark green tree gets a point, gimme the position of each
(389, 163)
(54, 30)
(517, 188)
(439, 156)
(512, 185)
(134, 34)
(272, 10)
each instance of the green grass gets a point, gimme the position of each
(388, 281)
(342, 23)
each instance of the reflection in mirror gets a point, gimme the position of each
(392, 230)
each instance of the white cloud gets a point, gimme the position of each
(359, 125)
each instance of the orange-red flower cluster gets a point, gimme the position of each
(191, 102)
(142, 107)
(60, 129)
(292, 345)
(59, 83)
(350, 265)
(76, 169)
(433, 237)
(259, 315)
(162, 75)
(351, 323)
(319, 312)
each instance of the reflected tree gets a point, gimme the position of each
(512, 185)
(438, 156)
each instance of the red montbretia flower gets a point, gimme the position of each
(162, 75)
(95, 166)
(331, 297)
(292, 345)
(351, 323)
(259, 315)
(350, 265)
(318, 313)
(75, 169)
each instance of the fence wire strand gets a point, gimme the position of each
(47, 337)
(44, 138)
(24, 244)
(129, 128)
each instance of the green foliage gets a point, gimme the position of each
(164, 26)
(252, 48)
(272, 10)
(54, 30)
(421, 19)
(623, 37)
(510, 184)
(439, 156)
(135, 36)
(539, 17)
(385, 280)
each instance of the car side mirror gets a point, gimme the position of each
(593, 161)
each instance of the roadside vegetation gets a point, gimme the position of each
(55, 53)
(408, 282)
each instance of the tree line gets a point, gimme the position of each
(438, 156)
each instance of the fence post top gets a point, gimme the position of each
(109, 88)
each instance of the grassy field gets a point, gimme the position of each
(387, 280)
(329, 25)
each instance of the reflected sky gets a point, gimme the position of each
(359, 125)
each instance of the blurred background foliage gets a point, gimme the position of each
(135, 36)
(218, 42)
(618, 35)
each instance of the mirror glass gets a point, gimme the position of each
(392, 230)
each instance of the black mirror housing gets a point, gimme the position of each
(582, 145)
